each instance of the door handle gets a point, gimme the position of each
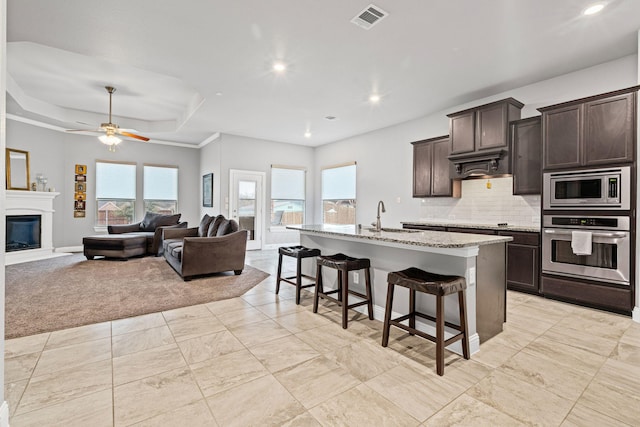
(595, 234)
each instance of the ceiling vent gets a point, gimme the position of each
(369, 17)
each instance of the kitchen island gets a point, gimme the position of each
(481, 259)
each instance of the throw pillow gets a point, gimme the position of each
(215, 224)
(152, 221)
(204, 225)
(225, 227)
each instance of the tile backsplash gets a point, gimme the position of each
(482, 205)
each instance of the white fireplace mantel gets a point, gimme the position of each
(32, 203)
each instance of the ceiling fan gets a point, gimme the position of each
(111, 129)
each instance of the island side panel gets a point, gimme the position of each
(385, 259)
(491, 295)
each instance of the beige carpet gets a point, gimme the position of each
(60, 293)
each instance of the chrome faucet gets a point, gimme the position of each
(378, 225)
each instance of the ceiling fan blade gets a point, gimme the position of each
(132, 135)
(85, 130)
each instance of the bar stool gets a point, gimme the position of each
(344, 264)
(297, 252)
(434, 284)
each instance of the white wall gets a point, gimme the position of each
(384, 156)
(55, 154)
(243, 153)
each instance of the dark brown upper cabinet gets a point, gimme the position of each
(431, 168)
(595, 131)
(480, 138)
(526, 146)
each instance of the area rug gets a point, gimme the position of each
(69, 291)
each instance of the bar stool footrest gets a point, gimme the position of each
(396, 322)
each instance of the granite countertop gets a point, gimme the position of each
(435, 239)
(533, 228)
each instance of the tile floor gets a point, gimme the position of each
(262, 360)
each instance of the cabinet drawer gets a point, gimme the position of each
(523, 238)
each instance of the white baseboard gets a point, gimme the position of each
(636, 314)
(4, 414)
(70, 249)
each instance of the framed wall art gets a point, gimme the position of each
(207, 190)
(80, 192)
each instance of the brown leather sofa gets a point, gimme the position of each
(150, 227)
(216, 245)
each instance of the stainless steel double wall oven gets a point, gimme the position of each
(597, 203)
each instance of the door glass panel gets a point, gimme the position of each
(603, 255)
(247, 207)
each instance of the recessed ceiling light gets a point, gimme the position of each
(593, 9)
(218, 93)
(374, 98)
(279, 67)
(307, 134)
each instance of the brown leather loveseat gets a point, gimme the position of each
(216, 245)
(150, 227)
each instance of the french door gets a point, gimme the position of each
(247, 204)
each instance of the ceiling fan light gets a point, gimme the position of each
(109, 139)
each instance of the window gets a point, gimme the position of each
(287, 195)
(115, 193)
(339, 194)
(160, 189)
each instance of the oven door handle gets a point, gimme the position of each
(596, 234)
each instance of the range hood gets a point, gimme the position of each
(480, 139)
(485, 163)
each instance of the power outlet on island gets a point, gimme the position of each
(356, 277)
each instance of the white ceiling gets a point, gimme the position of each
(186, 70)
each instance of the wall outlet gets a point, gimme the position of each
(356, 277)
(398, 200)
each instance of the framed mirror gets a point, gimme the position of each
(17, 166)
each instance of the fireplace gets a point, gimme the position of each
(29, 226)
(23, 232)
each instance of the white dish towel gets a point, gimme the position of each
(581, 242)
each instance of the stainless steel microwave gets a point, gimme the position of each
(588, 189)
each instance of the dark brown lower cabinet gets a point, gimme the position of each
(470, 230)
(424, 227)
(523, 255)
(523, 262)
(612, 298)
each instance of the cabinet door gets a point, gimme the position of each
(522, 268)
(561, 138)
(491, 122)
(462, 133)
(422, 154)
(609, 131)
(527, 156)
(440, 172)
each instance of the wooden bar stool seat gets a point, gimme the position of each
(299, 253)
(344, 264)
(417, 280)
